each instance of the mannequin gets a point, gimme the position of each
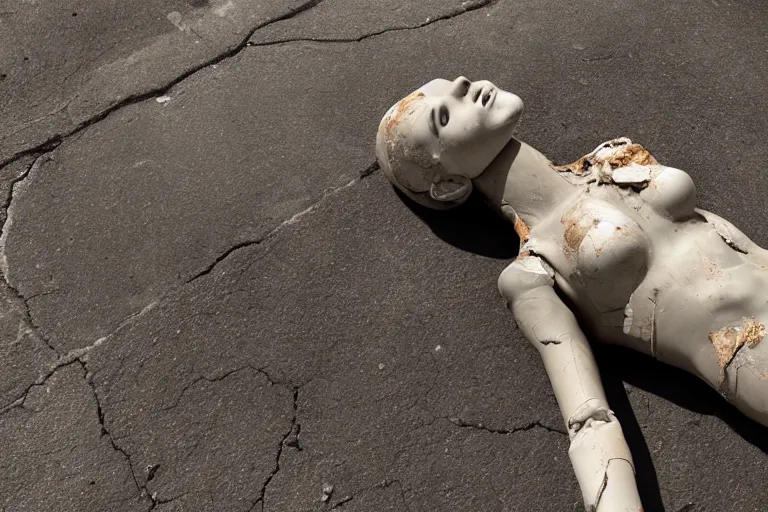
(615, 233)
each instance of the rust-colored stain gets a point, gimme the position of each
(728, 340)
(574, 232)
(631, 154)
(402, 109)
(578, 167)
(522, 230)
(753, 332)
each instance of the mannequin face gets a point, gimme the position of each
(464, 124)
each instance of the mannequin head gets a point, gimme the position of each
(435, 141)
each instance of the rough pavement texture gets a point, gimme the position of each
(213, 301)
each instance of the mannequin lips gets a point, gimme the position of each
(487, 97)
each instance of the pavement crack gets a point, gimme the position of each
(292, 220)
(217, 378)
(20, 299)
(503, 431)
(295, 426)
(162, 501)
(465, 8)
(18, 402)
(56, 140)
(141, 488)
(343, 501)
(73, 356)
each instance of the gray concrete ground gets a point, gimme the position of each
(213, 301)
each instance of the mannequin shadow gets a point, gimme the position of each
(619, 365)
(473, 227)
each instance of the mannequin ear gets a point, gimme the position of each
(451, 189)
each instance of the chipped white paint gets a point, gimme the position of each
(536, 266)
(615, 232)
(163, 99)
(632, 175)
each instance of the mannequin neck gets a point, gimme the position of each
(523, 178)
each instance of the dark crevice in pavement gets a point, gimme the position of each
(81, 353)
(371, 169)
(142, 489)
(78, 355)
(221, 377)
(289, 439)
(22, 301)
(339, 504)
(74, 356)
(295, 427)
(55, 141)
(163, 501)
(242, 245)
(502, 431)
(464, 9)
(381, 485)
(19, 401)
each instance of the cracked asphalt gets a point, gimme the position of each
(212, 299)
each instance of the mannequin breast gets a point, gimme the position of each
(598, 248)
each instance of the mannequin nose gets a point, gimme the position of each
(460, 87)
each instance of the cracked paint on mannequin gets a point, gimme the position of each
(728, 340)
(620, 236)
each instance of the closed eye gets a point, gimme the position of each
(432, 124)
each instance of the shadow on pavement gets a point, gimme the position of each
(471, 227)
(680, 388)
(613, 377)
(619, 364)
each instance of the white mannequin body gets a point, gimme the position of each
(620, 237)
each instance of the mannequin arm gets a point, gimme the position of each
(598, 452)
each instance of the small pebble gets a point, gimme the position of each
(327, 490)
